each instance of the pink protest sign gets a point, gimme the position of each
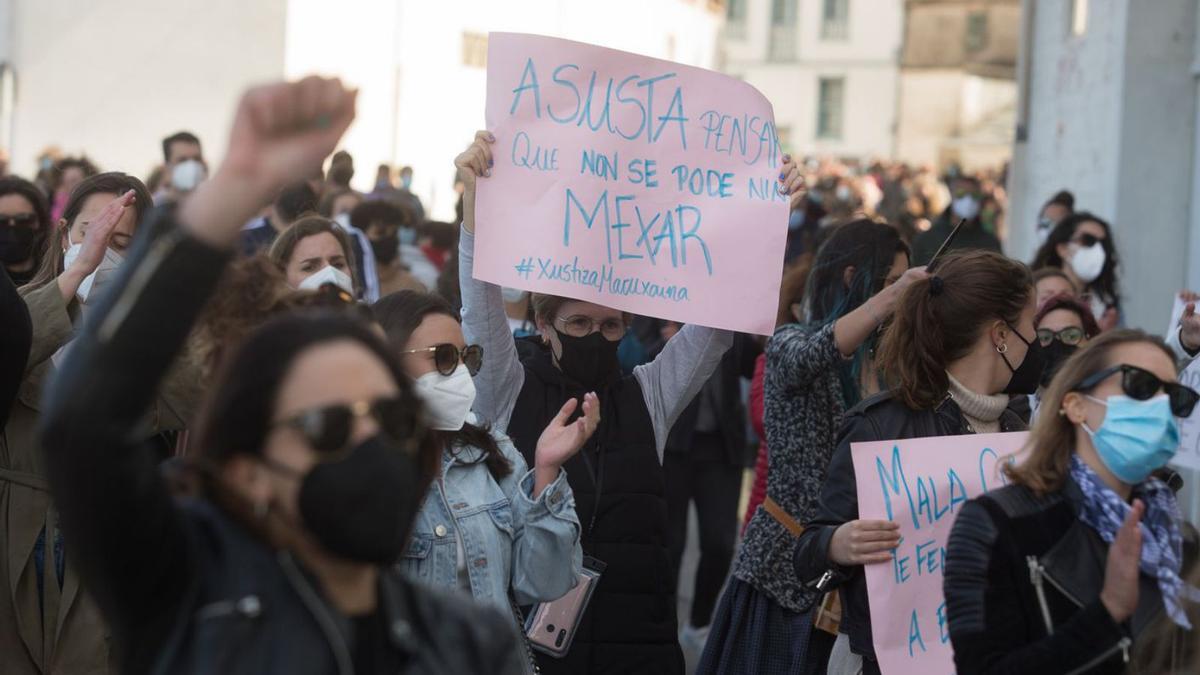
(631, 182)
(921, 484)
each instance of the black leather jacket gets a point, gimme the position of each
(879, 418)
(185, 588)
(1022, 586)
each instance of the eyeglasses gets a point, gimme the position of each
(1142, 385)
(327, 430)
(582, 326)
(1070, 336)
(19, 220)
(446, 357)
(1086, 240)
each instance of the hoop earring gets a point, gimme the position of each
(1003, 348)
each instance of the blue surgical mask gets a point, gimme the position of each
(1136, 438)
(408, 236)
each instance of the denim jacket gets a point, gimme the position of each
(510, 540)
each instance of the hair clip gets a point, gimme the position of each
(936, 286)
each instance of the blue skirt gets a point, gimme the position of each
(753, 634)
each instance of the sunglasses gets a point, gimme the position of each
(19, 220)
(327, 430)
(1142, 385)
(446, 357)
(1086, 240)
(1069, 336)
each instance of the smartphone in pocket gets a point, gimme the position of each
(551, 626)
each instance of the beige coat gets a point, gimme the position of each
(63, 634)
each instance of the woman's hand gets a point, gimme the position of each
(95, 242)
(864, 542)
(562, 440)
(1189, 328)
(474, 162)
(791, 182)
(1120, 591)
(281, 133)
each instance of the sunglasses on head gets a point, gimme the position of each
(1142, 385)
(1086, 240)
(1070, 336)
(446, 357)
(328, 429)
(19, 220)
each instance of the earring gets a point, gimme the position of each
(1003, 348)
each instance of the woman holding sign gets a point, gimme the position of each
(818, 366)
(960, 343)
(630, 622)
(1064, 569)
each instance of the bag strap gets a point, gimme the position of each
(529, 655)
(782, 517)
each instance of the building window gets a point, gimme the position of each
(829, 107)
(783, 30)
(976, 39)
(474, 50)
(835, 20)
(1079, 17)
(735, 18)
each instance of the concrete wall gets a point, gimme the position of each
(1112, 118)
(113, 78)
(867, 59)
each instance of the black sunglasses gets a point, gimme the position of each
(327, 430)
(446, 357)
(1142, 385)
(1086, 240)
(19, 220)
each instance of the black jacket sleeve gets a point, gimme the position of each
(127, 537)
(15, 339)
(838, 504)
(987, 626)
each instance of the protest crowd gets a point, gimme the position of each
(255, 421)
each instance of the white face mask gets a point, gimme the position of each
(448, 399)
(342, 219)
(513, 295)
(327, 275)
(965, 206)
(1088, 262)
(100, 278)
(187, 175)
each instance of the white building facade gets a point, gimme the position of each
(830, 68)
(113, 78)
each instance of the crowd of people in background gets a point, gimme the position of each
(256, 421)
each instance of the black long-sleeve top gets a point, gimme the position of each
(16, 335)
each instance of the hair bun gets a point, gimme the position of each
(936, 286)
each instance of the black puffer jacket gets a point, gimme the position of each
(185, 589)
(1022, 586)
(879, 418)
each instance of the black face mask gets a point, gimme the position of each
(1055, 355)
(362, 507)
(386, 250)
(1027, 376)
(16, 243)
(591, 361)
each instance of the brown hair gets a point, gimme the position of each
(1055, 302)
(1052, 273)
(252, 291)
(325, 208)
(285, 244)
(1052, 439)
(938, 320)
(112, 182)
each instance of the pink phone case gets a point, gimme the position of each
(552, 625)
